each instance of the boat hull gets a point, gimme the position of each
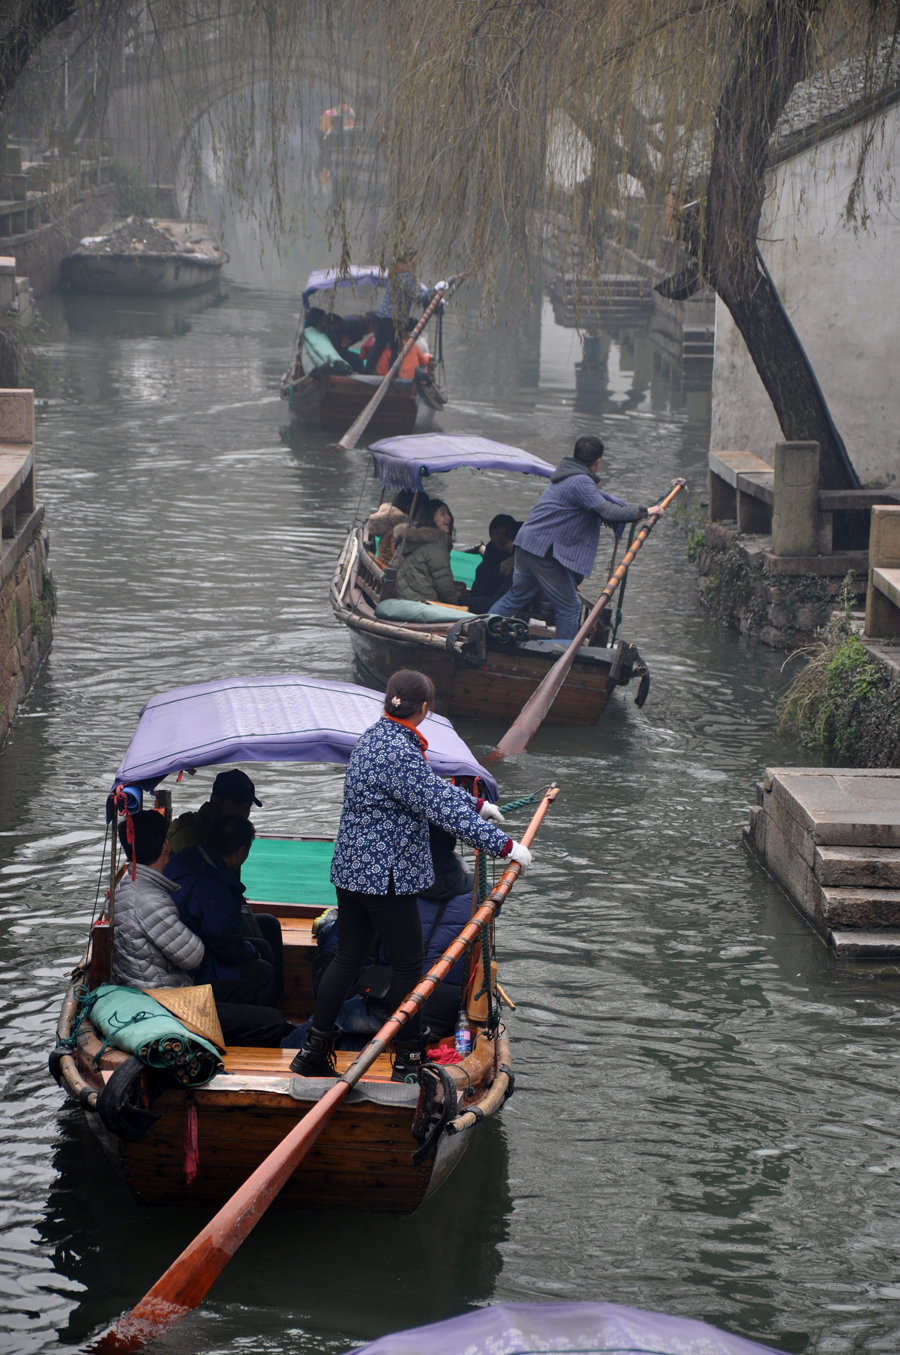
(138, 274)
(498, 690)
(335, 402)
(363, 1159)
(496, 686)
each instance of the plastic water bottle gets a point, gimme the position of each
(463, 1034)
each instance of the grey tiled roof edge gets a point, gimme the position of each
(835, 100)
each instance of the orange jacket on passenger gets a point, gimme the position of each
(415, 358)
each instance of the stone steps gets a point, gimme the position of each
(831, 839)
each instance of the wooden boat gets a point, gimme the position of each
(138, 257)
(481, 667)
(365, 1157)
(335, 402)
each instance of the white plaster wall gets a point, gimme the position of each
(842, 291)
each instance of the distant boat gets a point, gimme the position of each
(145, 257)
(334, 402)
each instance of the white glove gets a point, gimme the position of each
(520, 854)
(440, 286)
(491, 812)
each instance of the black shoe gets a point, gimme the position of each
(316, 1058)
(409, 1057)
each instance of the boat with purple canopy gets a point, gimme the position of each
(481, 666)
(390, 1148)
(585, 1328)
(334, 401)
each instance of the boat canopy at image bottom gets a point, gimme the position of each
(289, 718)
(356, 275)
(584, 1327)
(400, 463)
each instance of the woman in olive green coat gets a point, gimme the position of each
(423, 556)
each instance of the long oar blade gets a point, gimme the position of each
(356, 429)
(188, 1280)
(533, 713)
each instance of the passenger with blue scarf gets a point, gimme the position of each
(382, 861)
(557, 545)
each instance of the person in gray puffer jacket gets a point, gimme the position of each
(152, 947)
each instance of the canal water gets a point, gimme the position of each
(706, 1118)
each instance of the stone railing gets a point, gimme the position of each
(783, 502)
(770, 557)
(30, 193)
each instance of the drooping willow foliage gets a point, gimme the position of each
(480, 124)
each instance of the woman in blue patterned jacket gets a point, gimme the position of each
(382, 859)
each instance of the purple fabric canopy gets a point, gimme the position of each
(290, 718)
(513, 1328)
(324, 279)
(400, 463)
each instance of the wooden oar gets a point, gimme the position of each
(516, 738)
(356, 429)
(189, 1279)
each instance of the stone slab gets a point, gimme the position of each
(858, 943)
(857, 867)
(826, 566)
(887, 581)
(728, 465)
(866, 908)
(841, 810)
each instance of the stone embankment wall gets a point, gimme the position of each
(781, 610)
(26, 588)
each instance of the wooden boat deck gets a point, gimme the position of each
(277, 1062)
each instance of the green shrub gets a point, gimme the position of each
(843, 702)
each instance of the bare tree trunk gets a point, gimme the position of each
(769, 63)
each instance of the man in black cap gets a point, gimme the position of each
(233, 793)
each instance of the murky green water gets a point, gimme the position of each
(706, 1116)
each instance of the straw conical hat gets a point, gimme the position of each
(195, 1008)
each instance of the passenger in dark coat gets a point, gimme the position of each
(494, 575)
(209, 901)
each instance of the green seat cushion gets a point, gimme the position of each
(404, 609)
(280, 870)
(463, 566)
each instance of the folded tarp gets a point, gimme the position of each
(401, 609)
(137, 1024)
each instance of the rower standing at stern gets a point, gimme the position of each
(556, 547)
(382, 859)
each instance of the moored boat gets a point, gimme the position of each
(335, 401)
(392, 1144)
(482, 666)
(143, 257)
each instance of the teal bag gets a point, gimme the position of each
(137, 1024)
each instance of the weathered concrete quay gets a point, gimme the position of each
(831, 840)
(26, 595)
